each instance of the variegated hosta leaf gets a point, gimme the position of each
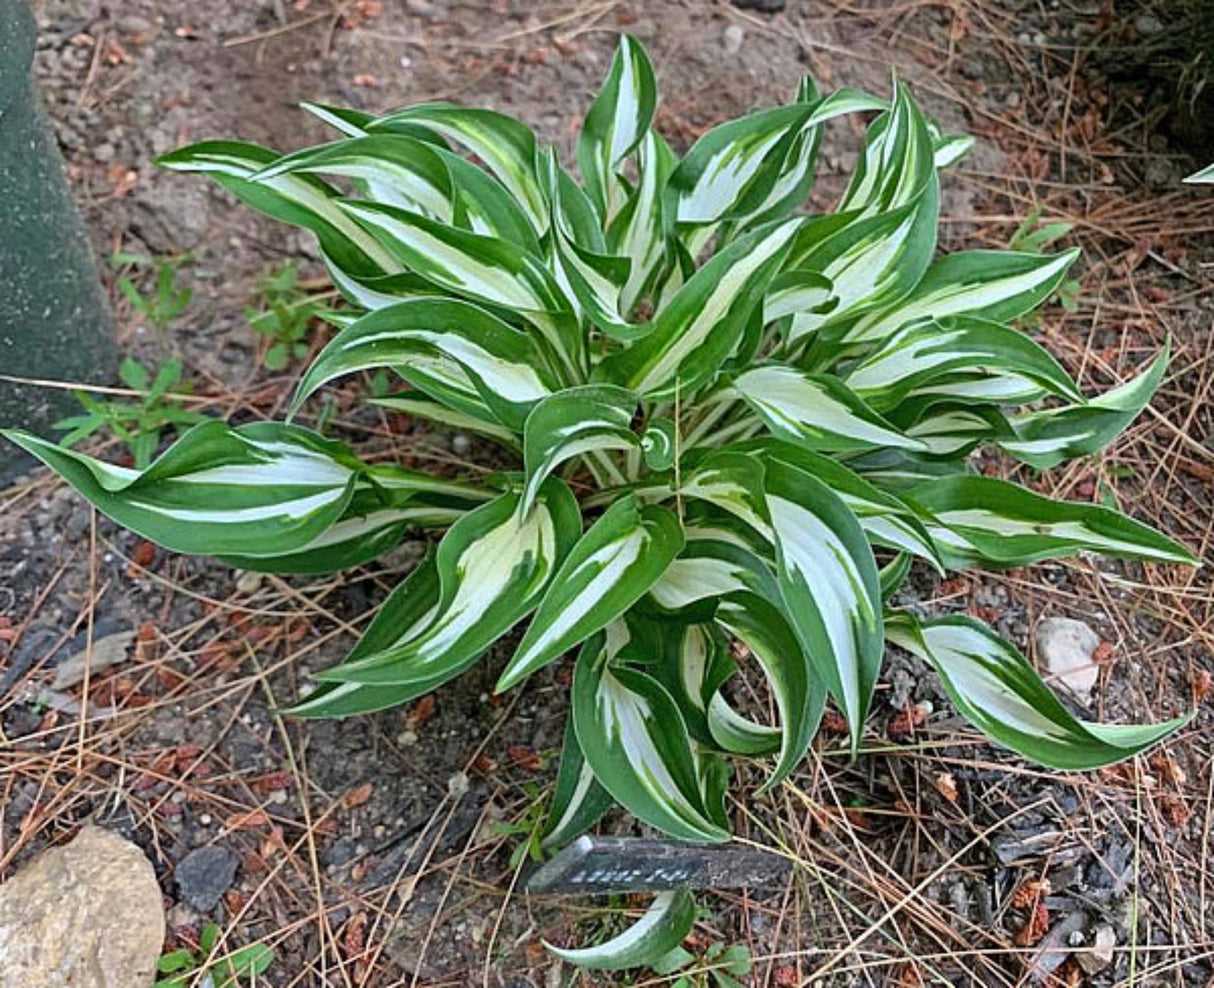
(660, 443)
(1205, 176)
(616, 123)
(730, 162)
(981, 520)
(997, 690)
(218, 490)
(506, 146)
(695, 661)
(828, 579)
(664, 926)
(638, 231)
(578, 800)
(493, 568)
(886, 244)
(699, 327)
(886, 520)
(302, 200)
(798, 290)
(591, 278)
(898, 159)
(407, 610)
(352, 123)
(434, 411)
(1048, 437)
(611, 567)
(799, 693)
(575, 422)
(733, 482)
(502, 363)
(816, 410)
(915, 358)
(991, 284)
(477, 267)
(708, 569)
(390, 501)
(952, 431)
(417, 176)
(635, 739)
(951, 148)
(794, 177)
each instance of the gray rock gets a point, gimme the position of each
(1100, 954)
(106, 652)
(204, 875)
(733, 38)
(87, 914)
(1068, 646)
(171, 213)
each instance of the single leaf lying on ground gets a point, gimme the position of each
(997, 690)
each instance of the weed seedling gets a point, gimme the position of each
(283, 313)
(138, 424)
(184, 966)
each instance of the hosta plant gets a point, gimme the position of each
(734, 427)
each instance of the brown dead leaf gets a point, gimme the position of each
(1168, 769)
(902, 725)
(247, 820)
(421, 711)
(358, 795)
(1202, 681)
(1029, 893)
(1174, 809)
(1034, 928)
(524, 757)
(946, 785)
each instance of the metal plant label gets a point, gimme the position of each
(592, 865)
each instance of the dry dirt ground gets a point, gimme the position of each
(367, 850)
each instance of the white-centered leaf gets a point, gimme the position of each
(994, 285)
(638, 230)
(505, 145)
(911, 360)
(736, 159)
(434, 411)
(405, 612)
(503, 364)
(816, 409)
(799, 693)
(698, 328)
(985, 520)
(611, 567)
(493, 567)
(634, 737)
(664, 926)
(828, 579)
(1048, 437)
(886, 520)
(218, 490)
(997, 690)
(616, 123)
(575, 422)
(1205, 176)
(578, 801)
(302, 200)
(708, 569)
(482, 268)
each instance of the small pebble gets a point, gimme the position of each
(733, 39)
(457, 785)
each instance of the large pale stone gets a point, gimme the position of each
(86, 915)
(1069, 647)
